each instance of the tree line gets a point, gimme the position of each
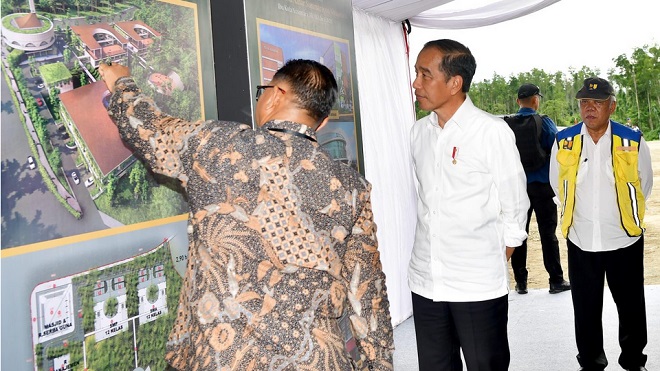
(635, 77)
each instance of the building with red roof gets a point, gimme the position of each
(101, 42)
(140, 36)
(84, 113)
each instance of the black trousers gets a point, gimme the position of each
(540, 198)
(624, 270)
(479, 328)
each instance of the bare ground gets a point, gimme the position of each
(538, 277)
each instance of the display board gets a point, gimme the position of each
(251, 51)
(310, 29)
(82, 218)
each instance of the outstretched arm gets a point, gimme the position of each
(159, 139)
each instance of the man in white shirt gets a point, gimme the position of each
(471, 213)
(601, 172)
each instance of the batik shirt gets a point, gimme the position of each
(281, 243)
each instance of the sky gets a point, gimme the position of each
(569, 33)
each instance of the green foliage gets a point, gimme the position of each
(15, 57)
(111, 307)
(152, 293)
(56, 72)
(38, 351)
(83, 79)
(639, 88)
(114, 353)
(54, 158)
(111, 186)
(634, 78)
(174, 54)
(165, 198)
(138, 179)
(132, 300)
(95, 73)
(72, 348)
(66, 56)
(419, 113)
(87, 298)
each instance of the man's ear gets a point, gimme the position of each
(272, 100)
(456, 84)
(612, 107)
(272, 103)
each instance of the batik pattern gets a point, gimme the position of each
(282, 243)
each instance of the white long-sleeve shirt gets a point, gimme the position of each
(472, 203)
(596, 218)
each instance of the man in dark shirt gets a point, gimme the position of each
(541, 196)
(282, 238)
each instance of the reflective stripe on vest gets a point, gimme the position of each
(625, 157)
(568, 158)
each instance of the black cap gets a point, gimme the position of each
(528, 90)
(595, 88)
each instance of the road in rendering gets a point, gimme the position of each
(30, 212)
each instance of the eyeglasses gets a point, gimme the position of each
(261, 88)
(596, 102)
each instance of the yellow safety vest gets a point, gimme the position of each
(625, 156)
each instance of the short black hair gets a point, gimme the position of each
(313, 84)
(457, 60)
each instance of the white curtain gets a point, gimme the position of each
(497, 11)
(387, 114)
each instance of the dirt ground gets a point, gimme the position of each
(538, 277)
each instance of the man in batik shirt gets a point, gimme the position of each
(282, 238)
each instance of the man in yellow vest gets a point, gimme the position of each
(601, 172)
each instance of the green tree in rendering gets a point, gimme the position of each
(152, 293)
(132, 300)
(138, 179)
(111, 187)
(54, 158)
(111, 307)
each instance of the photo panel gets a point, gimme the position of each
(322, 31)
(65, 170)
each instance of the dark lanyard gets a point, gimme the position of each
(301, 135)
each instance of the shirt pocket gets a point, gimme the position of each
(627, 159)
(567, 160)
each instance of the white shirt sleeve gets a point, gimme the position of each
(644, 168)
(554, 173)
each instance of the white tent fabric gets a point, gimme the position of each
(398, 10)
(451, 14)
(387, 115)
(489, 14)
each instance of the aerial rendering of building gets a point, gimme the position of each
(83, 111)
(57, 76)
(139, 35)
(101, 43)
(28, 31)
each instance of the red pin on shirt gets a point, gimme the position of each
(454, 152)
